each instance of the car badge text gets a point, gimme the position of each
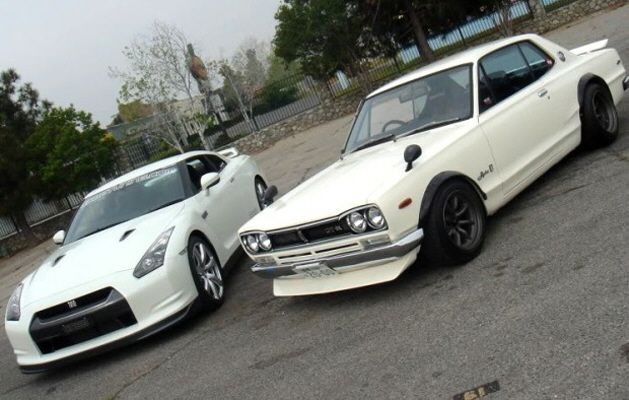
(72, 304)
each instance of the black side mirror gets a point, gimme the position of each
(411, 153)
(269, 194)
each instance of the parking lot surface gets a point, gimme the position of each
(544, 310)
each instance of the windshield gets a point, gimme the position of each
(438, 99)
(126, 201)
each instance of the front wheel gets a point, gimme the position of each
(599, 119)
(455, 227)
(206, 273)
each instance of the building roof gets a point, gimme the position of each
(464, 57)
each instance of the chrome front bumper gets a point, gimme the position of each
(340, 262)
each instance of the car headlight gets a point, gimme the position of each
(13, 308)
(375, 218)
(265, 241)
(252, 243)
(357, 222)
(154, 256)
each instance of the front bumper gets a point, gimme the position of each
(371, 256)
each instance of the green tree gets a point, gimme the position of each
(20, 110)
(69, 153)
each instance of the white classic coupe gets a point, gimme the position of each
(140, 252)
(430, 156)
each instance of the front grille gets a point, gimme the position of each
(80, 320)
(310, 234)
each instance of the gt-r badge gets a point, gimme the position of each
(486, 172)
(72, 304)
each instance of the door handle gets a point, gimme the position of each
(542, 93)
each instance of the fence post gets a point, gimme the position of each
(458, 27)
(69, 204)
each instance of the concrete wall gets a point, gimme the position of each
(43, 231)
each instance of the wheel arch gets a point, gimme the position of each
(203, 236)
(584, 82)
(437, 181)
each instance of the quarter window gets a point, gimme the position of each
(506, 72)
(539, 62)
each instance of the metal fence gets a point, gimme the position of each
(40, 211)
(550, 5)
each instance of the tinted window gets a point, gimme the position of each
(126, 201)
(216, 162)
(485, 97)
(539, 62)
(197, 167)
(506, 72)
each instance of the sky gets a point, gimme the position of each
(64, 47)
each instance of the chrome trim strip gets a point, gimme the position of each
(344, 261)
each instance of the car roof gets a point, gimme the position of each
(166, 162)
(464, 57)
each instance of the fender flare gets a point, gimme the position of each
(586, 80)
(436, 183)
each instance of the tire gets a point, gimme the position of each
(207, 273)
(599, 119)
(260, 187)
(454, 229)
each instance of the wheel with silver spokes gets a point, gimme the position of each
(207, 272)
(455, 226)
(260, 188)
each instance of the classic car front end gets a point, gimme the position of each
(356, 248)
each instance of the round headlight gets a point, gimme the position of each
(357, 222)
(265, 241)
(375, 218)
(252, 243)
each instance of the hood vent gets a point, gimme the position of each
(126, 234)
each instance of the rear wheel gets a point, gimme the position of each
(599, 119)
(455, 227)
(206, 273)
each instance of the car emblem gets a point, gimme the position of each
(72, 304)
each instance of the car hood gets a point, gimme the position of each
(357, 179)
(99, 255)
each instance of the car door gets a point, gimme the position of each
(218, 205)
(514, 112)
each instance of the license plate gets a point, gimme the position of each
(76, 325)
(314, 270)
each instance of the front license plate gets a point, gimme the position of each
(315, 270)
(76, 325)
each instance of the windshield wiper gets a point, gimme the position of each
(374, 142)
(431, 125)
(169, 203)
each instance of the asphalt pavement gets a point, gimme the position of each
(542, 313)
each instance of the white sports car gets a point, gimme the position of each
(430, 155)
(139, 253)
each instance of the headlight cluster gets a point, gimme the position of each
(361, 220)
(256, 242)
(13, 308)
(154, 256)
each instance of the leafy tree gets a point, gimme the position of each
(20, 110)
(134, 110)
(324, 35)
(279, 69)
(69, 153)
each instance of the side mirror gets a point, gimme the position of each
(210, 179)
(411, 153)
(269, 194)
(59, 237)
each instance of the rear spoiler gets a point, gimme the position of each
(591, 47)
(229, 152)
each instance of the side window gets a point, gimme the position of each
(539, 62)
(485, 97)
(196, 169)
(506, 72)
(216, 162)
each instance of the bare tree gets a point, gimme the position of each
(158, 74)
(502, 17)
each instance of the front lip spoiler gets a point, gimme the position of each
(140, 335)
(396, 249)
